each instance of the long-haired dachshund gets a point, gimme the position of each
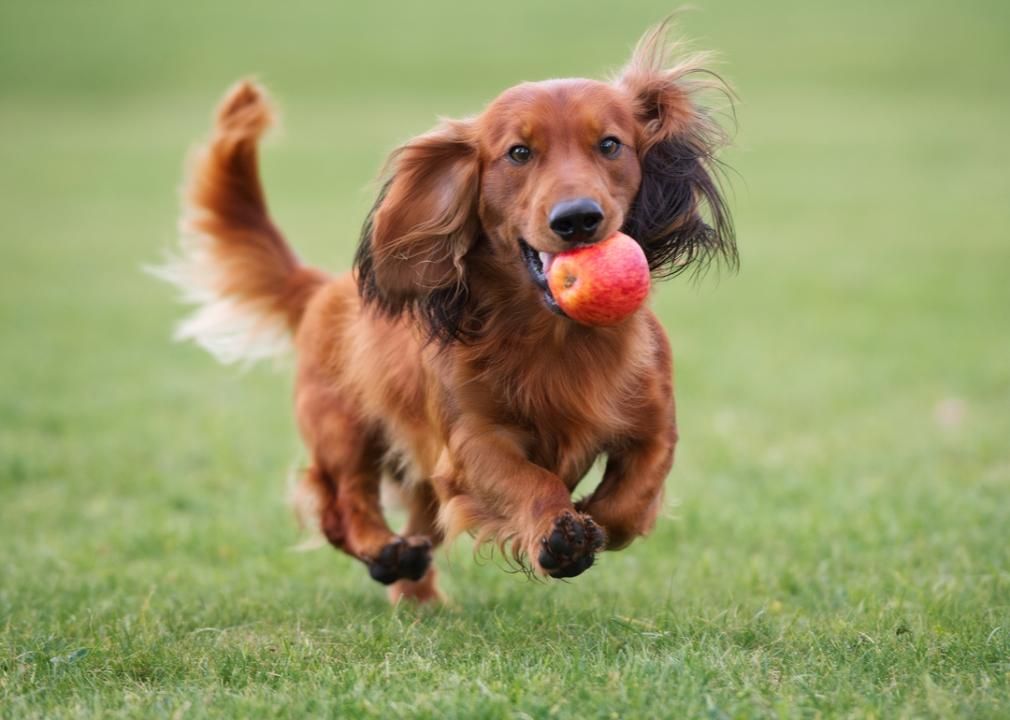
(442, 361)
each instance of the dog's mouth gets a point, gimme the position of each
(538, 264)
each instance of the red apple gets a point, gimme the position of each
(600, 284)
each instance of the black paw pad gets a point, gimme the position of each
(571, 546)
(401, 559)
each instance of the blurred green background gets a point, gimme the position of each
(835, 537)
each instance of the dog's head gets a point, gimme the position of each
(548, 166)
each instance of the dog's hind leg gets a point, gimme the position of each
(422, 520)
(346, 473)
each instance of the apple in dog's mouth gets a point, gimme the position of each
(599, 284)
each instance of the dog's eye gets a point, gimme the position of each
(520, 154)
(610, 146)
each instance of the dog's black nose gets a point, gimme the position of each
(576, 220)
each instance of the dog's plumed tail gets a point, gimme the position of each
(234, 263)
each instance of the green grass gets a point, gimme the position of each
(835, 542)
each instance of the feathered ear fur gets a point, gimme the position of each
(677, 145)
(414, 243)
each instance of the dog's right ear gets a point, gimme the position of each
(680, 216)
(424, 222)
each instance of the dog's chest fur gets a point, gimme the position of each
(567, 396)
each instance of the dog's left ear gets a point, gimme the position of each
(679, 215)
(413, 245)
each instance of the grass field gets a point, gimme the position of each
(835, 541)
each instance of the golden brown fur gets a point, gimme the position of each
(438, 362)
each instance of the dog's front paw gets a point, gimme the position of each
(403, 558)
(571, 546)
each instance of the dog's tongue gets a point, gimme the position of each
(546, 259)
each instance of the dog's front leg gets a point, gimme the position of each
(501, 494)
(628, 498)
